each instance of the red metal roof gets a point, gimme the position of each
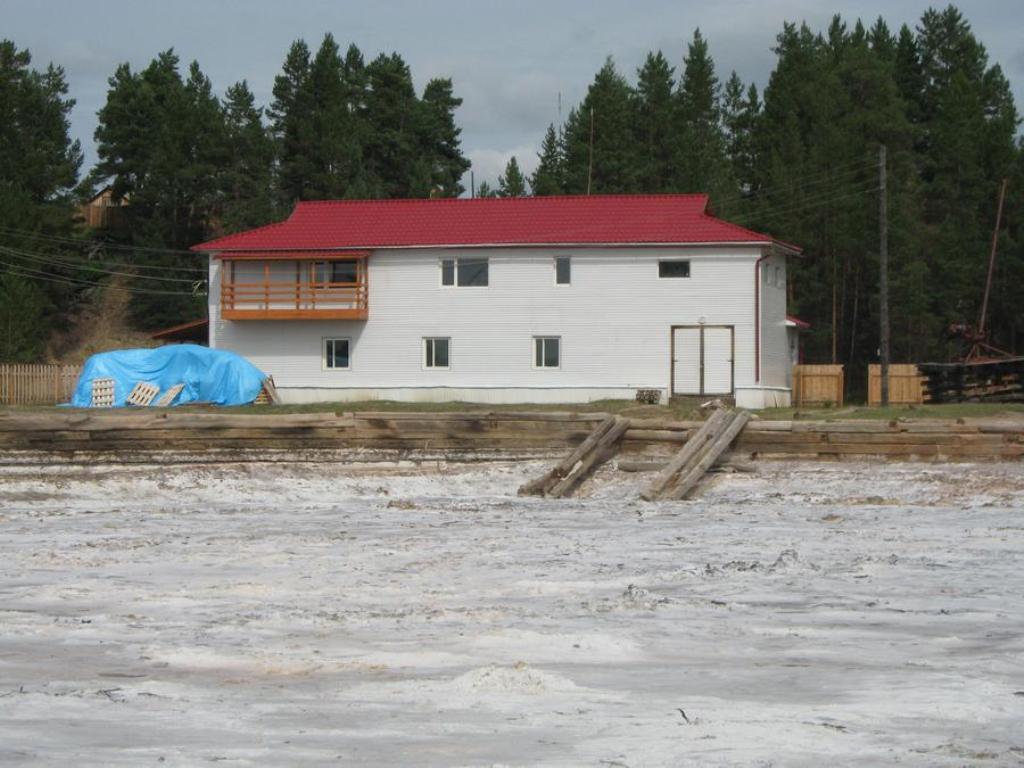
(803, 325)
(520, 221)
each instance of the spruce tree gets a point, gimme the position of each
(700, 149)
(549, 177)
(655, 117)
(512, 183)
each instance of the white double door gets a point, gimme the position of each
(702, 359)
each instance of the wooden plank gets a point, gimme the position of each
(721, 444)
(715, 424)
(599, 454)
(906, 384)
(168, 397)
(543, 484)
(659, 435)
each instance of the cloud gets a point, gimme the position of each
(488, 164)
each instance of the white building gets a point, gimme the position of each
(542, 299)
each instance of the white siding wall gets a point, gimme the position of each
(614, 322)
(775, 368)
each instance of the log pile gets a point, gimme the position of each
(982, 381)
(68, 431)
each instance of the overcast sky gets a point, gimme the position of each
(509, 60)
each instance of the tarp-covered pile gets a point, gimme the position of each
(207, 375)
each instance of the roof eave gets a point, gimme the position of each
(443, 246)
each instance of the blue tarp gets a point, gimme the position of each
(209, 375)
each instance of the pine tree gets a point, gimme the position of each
(600, 154)
(512, 183)
(393, 143)
(968, 124)
(39, 165)
(740, 110)
(163, 144)
(248, 172)
(484, 190)
(334, 155)
(549, 176)
(291, 114)
(440, 140)
(23, 320)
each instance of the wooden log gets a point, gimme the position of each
(686, 485)
(715, 423)
(659, 435)
(656, 465)
(544, 483)
(591, 460)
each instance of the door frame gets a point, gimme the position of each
(672, 357)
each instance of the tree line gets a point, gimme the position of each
(798, 161)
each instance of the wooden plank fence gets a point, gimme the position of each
(906, 384)
(818, 385)
(37, 384)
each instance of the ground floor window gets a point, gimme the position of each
(547, 351)
(436, 352)
(336, 354)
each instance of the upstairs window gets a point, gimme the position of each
(336, 271)
(336, 354)
(673, 269)
(436, 353)
(563, 270)
(464, 272)
(547, 352)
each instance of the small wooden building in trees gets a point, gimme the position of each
(103, 210)
(531, 299)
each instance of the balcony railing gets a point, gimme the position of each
(279, 300)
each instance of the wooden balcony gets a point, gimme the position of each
(307, 297)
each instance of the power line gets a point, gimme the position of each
(115, 246)
(800, 183)
(35, 274)
(773, 213)
(54, 261)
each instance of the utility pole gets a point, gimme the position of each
(992, 260)
(883, 277)
(590, 162)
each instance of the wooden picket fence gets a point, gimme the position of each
(906, 384)
(818, 385)
(37, 384)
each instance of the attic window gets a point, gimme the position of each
(673, 269)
